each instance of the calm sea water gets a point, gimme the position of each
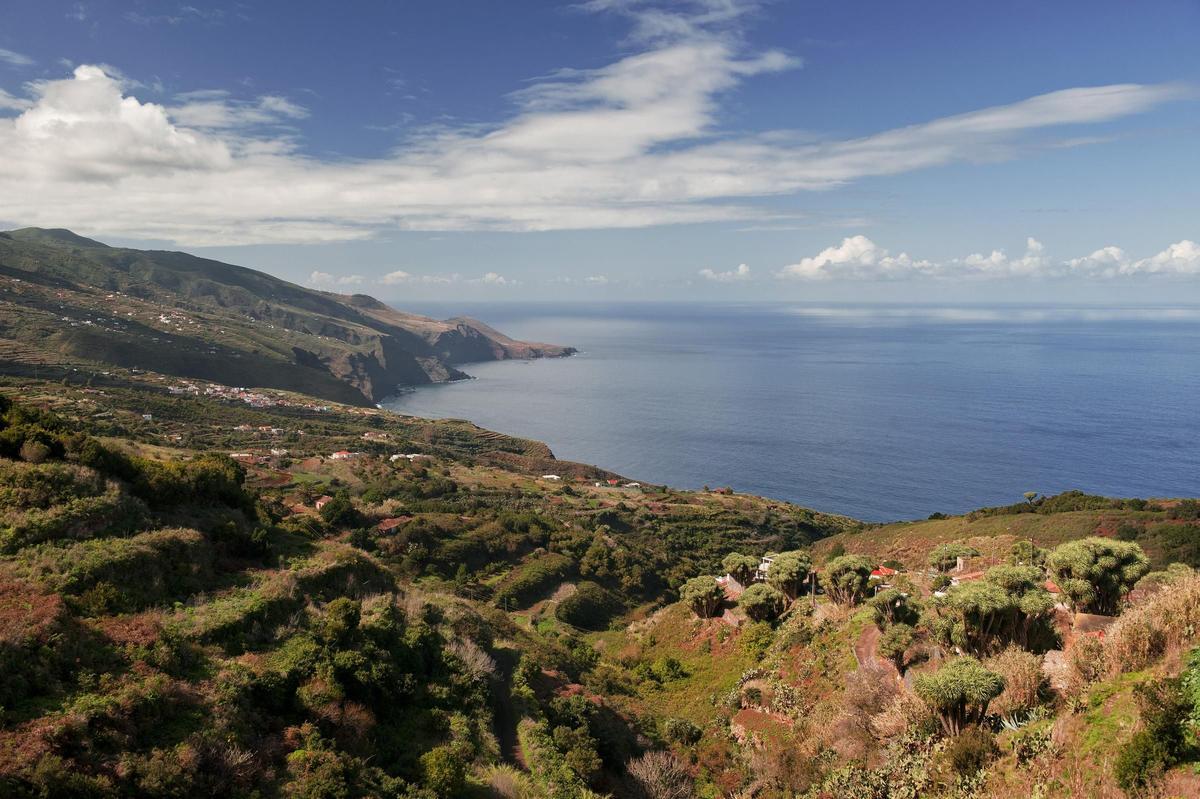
(877, 412)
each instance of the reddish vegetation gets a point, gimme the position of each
(138, 629)
(27, 615)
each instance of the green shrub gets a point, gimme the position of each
(681, 731)
(971, 751)
(532, 579)
(590, 607)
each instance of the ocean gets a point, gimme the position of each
(880, 412)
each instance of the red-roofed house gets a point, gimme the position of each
(882, 573)
(323, 501)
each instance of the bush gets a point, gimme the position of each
(681, 731)
(1141, 763)
(971, 751)
(660, 775)
(1024, 684)
(1167, 620)
(444, 771)
(1165, 708)
(590, 607)
(533, 578)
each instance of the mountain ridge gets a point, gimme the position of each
(231, 324)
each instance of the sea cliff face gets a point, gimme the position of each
(181, 315)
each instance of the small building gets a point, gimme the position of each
(243, 457)
(883, 573)
(147, 417)
(633, 485)
(279, 453)
(764, 566)
(387, 525)
(323, 501)
(343, 455)
(554, 477)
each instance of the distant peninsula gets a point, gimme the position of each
(71, 299)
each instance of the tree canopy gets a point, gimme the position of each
(740, 567)
(788, 572)
(703, 595)
(944, 557)
(1096, 573)
(762, 602)
(846, 578)
(984, 616)
(959, 692)
(894, 643)
(893, 606)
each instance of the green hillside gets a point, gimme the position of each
(65, 298)
(205, 593)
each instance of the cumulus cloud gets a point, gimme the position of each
(742, 272)
(634, 143)
(319, 278)
(14, 59)
(859, 258)
(82, 131)
(856, 258)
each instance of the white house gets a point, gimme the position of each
(764, 566)
(551, 477)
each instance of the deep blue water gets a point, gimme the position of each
(880, 413)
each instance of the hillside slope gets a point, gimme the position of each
(66, 297)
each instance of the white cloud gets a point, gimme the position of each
(399, 276)
(10, 103)
(856, 258)
(859, 258)
(14, 59)
(216, 110)
(742, 272)
(319, 278)
(82, 132)
(635, 143)
(1181, 258)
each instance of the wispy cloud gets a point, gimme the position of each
(400, 277)
(14, 59)
(859, 258)
(635, 143)
(178, 16)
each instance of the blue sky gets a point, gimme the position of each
(623, 148)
